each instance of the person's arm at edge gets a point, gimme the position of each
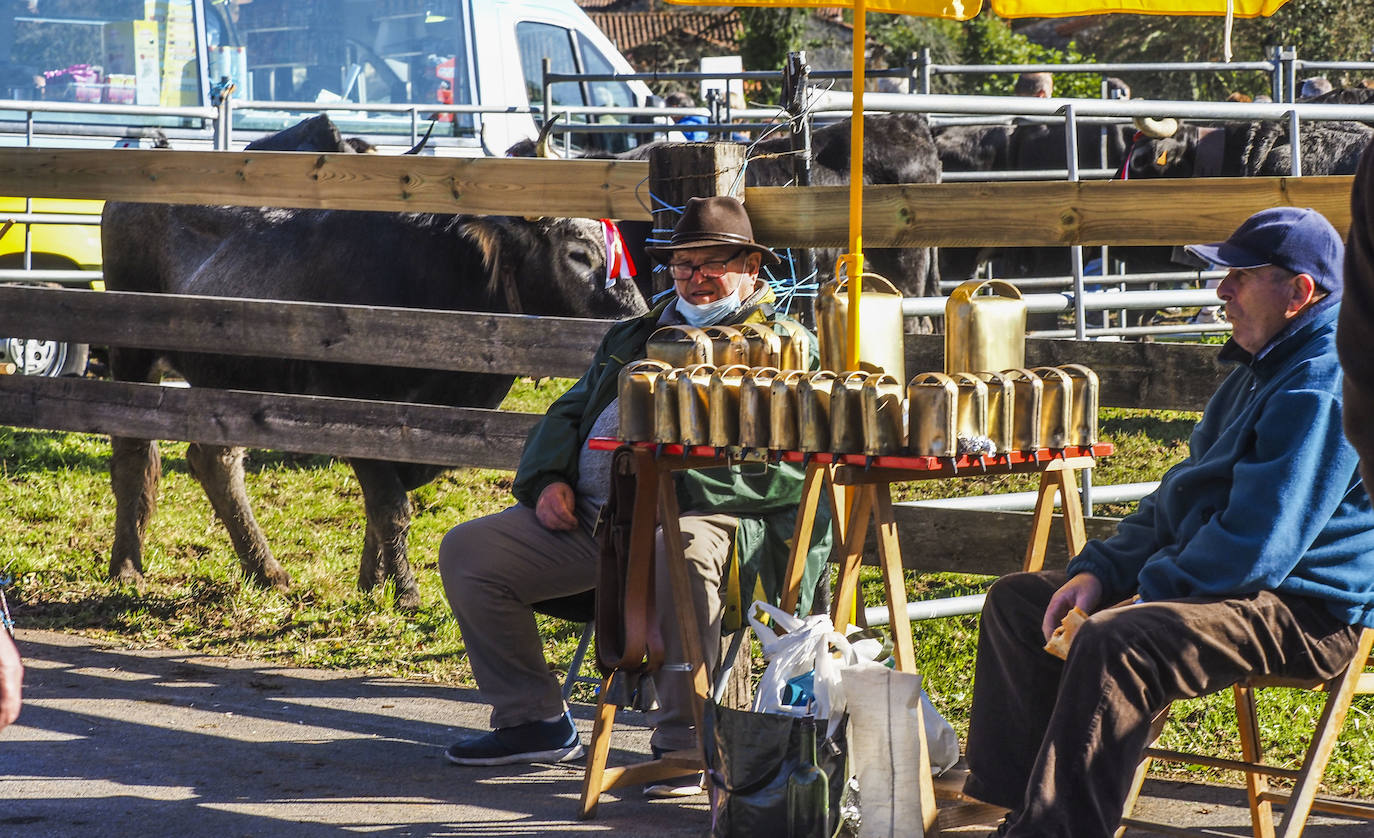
(11, 680)
(1357, 318)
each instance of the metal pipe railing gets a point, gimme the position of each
(1102, 279)
(50, 218)
(1091, 300)
(58, 276)
(1025, 174)
(1025, 501)
(90, 108)
(1177, 329)
(930, 609)
(1105, 68)
(943, 103)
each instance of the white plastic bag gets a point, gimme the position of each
(807, 645)
(812, 644)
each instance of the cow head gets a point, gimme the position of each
(1162, 149)
(550, 266)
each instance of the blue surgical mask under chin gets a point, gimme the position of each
(708, 314)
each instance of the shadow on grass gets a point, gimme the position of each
(100, 611)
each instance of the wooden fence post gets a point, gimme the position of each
(678, 171)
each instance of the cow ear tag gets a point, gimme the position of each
(1163, 157)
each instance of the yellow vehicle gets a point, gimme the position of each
(55, 254)
(92, 73)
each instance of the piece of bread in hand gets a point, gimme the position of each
(1063, 636)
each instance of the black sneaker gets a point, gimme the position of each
(685, 785)
(533, 742)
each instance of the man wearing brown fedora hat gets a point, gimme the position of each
(543, 548)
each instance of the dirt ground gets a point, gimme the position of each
(156, 743)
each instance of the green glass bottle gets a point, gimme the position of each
(808, 790)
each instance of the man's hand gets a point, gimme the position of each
(11, 680)
(555, 509)
(1083, 590)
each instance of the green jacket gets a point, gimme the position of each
(764, 498)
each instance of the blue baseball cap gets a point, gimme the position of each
(1293, 238)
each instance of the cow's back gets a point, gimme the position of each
(354, 258)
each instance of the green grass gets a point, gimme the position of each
(55, 490)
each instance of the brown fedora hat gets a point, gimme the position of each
(711, 222)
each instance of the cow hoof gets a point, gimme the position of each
(408, 600)
(126, 574)
(275, 578)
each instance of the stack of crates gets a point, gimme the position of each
(176, 50)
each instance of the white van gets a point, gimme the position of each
(392, 54)
(486, 53)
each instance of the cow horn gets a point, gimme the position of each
(424, 141)
(1156, 128)
(542, 146)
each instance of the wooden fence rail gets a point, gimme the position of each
(416, 433)
(512, 344)
(1134, 212)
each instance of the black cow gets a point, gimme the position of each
(1344, 96)
(548, 266)
(1023, 146)
(1246, 149)
(898, 148)
(973, 148)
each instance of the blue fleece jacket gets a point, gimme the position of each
(1269, 498)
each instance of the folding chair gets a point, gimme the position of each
(576, 608)
(1356, 679)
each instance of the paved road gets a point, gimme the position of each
(154, 743)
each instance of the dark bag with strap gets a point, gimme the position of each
(627, 635)
(749, 757)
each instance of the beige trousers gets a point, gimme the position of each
(495, 567)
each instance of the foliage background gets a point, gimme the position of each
(1319, 30)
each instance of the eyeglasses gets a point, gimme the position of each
(715, 269)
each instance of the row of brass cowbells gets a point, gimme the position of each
(780, 343)
(766, 408)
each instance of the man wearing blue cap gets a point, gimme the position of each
(1255, 555)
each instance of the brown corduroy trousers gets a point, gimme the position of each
(1057, 742)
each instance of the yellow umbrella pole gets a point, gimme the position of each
(854, 259)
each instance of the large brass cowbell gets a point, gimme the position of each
(882, 333)
(985, 332)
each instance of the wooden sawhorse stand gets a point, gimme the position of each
(861, 487)
(655, 492)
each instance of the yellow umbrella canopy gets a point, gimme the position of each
(959, 10)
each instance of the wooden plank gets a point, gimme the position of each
(1017, 214)
(975, 541)
(409, 183)
(1136, 212)
(401, 337)
(450, 436)
(1159, 376)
